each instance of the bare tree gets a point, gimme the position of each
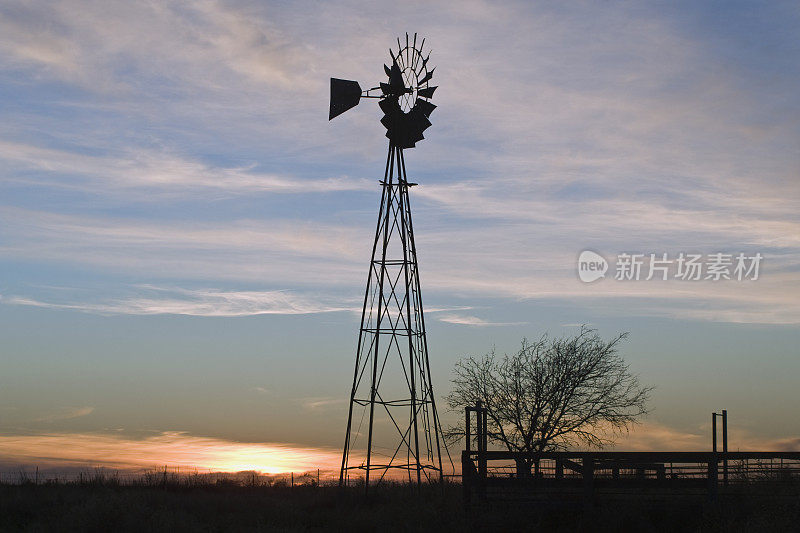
(552, 393)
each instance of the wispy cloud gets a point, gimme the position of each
(751, 220)
(239, 249)
(84, 47)
(152, 172)
(517, 264)
(197, 302)
(172, 448)
(650, 436)
(65, 413)
(322, 402)
(469, 320)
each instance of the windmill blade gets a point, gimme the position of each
(427, 92)
(400, 51)
(428, 76)
(396, 78)
(418, 121)
(390, 107)
(425, 107)
(418, 57)
(386, 70)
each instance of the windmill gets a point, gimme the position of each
(393, 430)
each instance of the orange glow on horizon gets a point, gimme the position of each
(175, 449)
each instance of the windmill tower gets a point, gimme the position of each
(393, 430)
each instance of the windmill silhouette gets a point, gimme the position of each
(392, 424)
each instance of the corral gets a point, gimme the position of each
(588, 477)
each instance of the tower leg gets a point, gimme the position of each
(361, 337)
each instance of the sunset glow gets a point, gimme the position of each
(175, 449)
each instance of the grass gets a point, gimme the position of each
(105, 505)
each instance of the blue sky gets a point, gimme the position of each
(184, 236)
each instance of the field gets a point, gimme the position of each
(104, 505)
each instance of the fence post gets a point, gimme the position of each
(712, 477)
(485, 431)
(725, 447)
(588, 481)
(466, 478)
(480, 412)
(714, 432)
(466, 426)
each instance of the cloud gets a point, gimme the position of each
(196, 302)
(518, 264)
(649, 436)
(468, 320)
(751, 220)
(66, 413)
(654, 436)
(86, 47)
(239, 249)
(173, 448)
(151, 172)
(321, 402)
(616, 128)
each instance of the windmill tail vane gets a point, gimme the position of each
(393, 429)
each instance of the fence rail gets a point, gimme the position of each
(502, 474)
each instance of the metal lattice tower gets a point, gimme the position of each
(393, 430)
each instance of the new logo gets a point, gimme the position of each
(591, 266)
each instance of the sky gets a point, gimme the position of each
(184, 236)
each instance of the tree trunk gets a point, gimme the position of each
(523, 468)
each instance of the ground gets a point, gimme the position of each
(231, 507)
